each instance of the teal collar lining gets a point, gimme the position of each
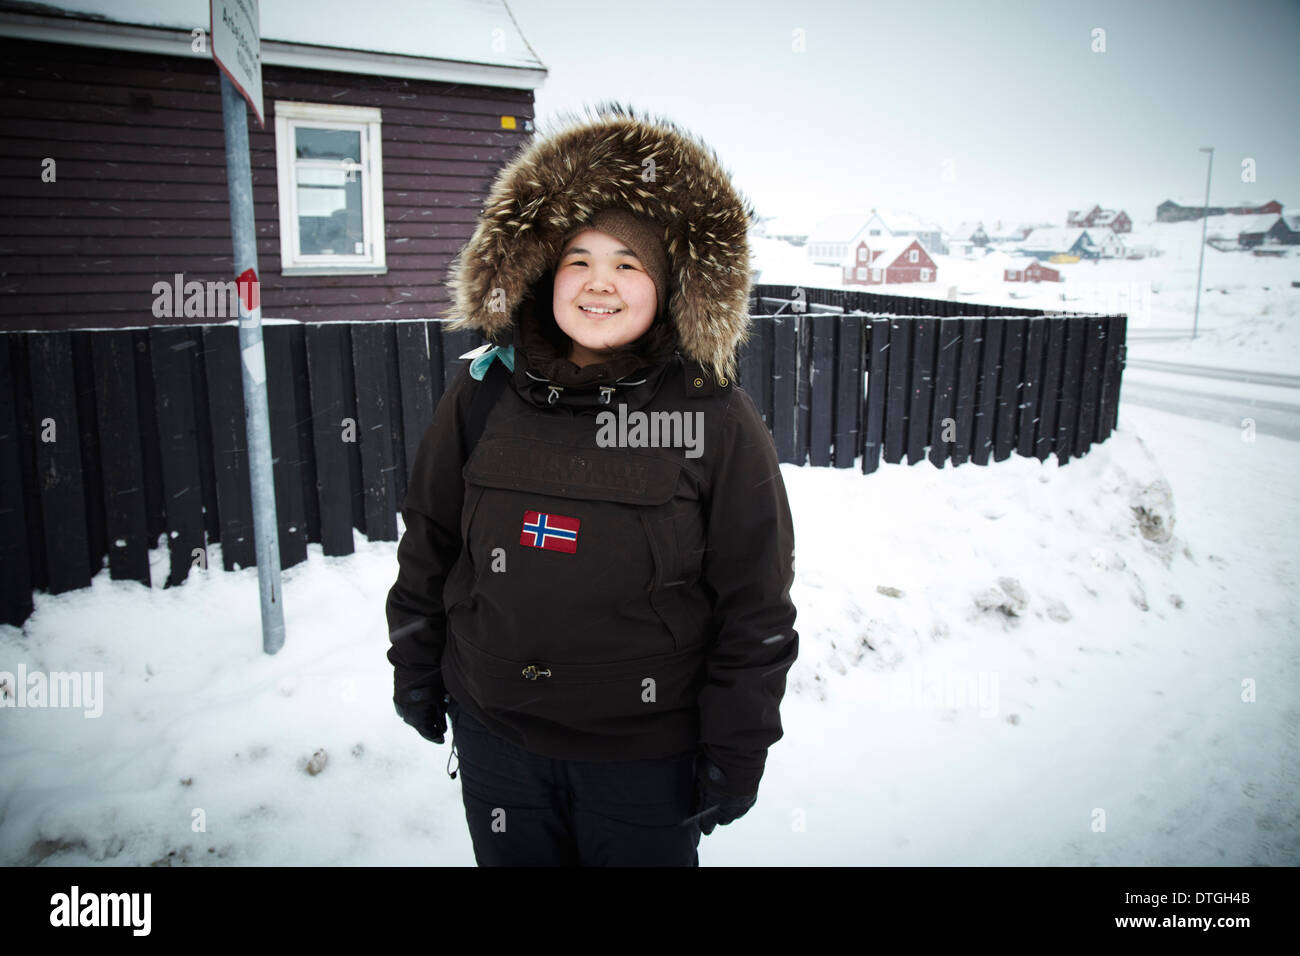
(506, 353)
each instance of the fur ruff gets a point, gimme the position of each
(613, 157)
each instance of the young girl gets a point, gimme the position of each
(594, 577)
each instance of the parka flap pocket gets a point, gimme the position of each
(550, 468)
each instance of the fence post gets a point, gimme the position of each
(848, 392)
(821, 372)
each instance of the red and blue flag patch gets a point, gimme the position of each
(552, 532)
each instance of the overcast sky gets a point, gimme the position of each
(951, 108)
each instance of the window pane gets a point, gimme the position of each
(329, 212)
(328, 143)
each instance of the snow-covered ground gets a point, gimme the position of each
(1018, 664)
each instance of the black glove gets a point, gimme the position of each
(424, 708)
(713, 807)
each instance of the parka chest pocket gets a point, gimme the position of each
(574, 553)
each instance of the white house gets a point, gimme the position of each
(1110, 245)
(895, 223)
(831, 239)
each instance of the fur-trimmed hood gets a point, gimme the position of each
(613, 157)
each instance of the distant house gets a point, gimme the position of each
(1111, 246)
(829, 242)
(1115, 220)
(894, 224)
(1083, 217)
(971, 233)
(1273, 229)
(1095, 217)
(900, 259)
(1029, 270)
(1175, 210)
(1013, 232)
(1045, 243)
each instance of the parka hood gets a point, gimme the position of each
(611, 157)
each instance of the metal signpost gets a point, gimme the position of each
(236, 48)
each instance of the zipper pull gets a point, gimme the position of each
(606, 392)
(531, 672)
(554, 393)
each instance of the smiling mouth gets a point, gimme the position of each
(596, 311)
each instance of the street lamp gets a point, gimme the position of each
(1205, 221)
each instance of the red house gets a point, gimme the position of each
(1030, 270)
(1116, 220)
(900, 259)
(1093, 216)
(1082, 218)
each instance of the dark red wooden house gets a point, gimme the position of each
(366, 179)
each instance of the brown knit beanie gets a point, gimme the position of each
(644, 237)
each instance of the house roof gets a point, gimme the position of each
(470, 41)
(889, 250)
(1107, 216)
(1260, 224)
(1056, 239)
(902, 221)
(967, 229)
(1010, 230)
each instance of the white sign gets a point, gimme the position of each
(237, 48)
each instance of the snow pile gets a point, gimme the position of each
(1019, 549)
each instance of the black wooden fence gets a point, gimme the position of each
(843, 376)
(109, 439)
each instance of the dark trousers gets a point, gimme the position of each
(524, 809)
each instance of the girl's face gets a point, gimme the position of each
(603, 298)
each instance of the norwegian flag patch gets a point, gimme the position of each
(552, 532)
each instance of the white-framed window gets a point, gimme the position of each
(913, 256)
(862, 254)
(862, 273)
(1015, 275)
(925, 275)
(875, 275)
(874, 232)
(330, 176)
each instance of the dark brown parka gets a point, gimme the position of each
(660, 621)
